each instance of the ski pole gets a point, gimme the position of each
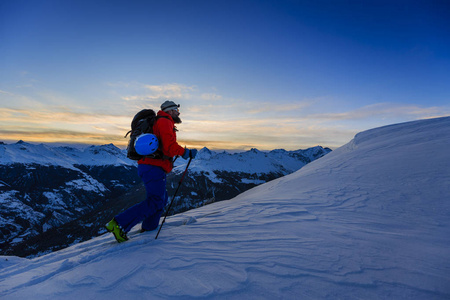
(173, 198)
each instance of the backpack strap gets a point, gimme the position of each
(158, 153)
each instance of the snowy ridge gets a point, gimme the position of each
(25, 153)
(253, 161)
(207, 160)
(370, 220)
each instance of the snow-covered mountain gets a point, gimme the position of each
(52, 196)
(255, 161)
(370, 220)
(63, 156)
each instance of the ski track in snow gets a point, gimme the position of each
(371, 220)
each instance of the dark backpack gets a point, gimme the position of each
(142, 123)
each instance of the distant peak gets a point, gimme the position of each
(204, 149)
(278, 151)
(110, 145)
(205, 153)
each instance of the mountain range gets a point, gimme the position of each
(54, 196)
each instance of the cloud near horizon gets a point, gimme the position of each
(139, 92)
(209, 119)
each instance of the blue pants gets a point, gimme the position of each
(148, 211)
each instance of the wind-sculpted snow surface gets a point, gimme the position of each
(371, 220)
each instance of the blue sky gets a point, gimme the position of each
(264, 74)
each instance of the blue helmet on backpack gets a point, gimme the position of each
(146, 144)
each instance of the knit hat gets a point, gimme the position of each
(169, 105)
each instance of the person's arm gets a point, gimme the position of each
(168, 139)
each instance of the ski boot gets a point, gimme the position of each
(115, 228)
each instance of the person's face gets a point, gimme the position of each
(175, 114)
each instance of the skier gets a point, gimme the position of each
(153, 173)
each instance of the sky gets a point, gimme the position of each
(247, 74)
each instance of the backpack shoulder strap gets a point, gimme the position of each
(159, 117)
(159, 151)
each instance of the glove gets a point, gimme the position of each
(193, 153)
(189, 153)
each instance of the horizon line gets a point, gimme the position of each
(83, 145)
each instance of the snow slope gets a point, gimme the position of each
(370, 220)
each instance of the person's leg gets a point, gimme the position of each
(151, 222)
(154, 179)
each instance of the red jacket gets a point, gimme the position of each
(165, 131)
